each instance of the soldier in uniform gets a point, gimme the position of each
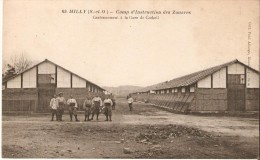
(87, 107)
(73, 106)
(108, 108)
(97, 103)
(53, 105)
(130, 101)
(61, 104)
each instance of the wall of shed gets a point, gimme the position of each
(236, 68)
(211, 99)
(26, 99)
(19, 100)
(46, 68)
(205, 83)
(177, 102)
(78, 82)
(30, 78)
(252, 79)
(219, 79)
(14, 83)
(252, 99)
(63, 78)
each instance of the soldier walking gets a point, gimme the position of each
(53, 105)
(73, 106)
(108, 108)
(97, 103)
(87, 107)
(61, 104)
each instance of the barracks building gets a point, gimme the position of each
(232, 86)
(31, 90)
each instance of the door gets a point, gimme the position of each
(236, 92)
(44, 97)
(46, 90)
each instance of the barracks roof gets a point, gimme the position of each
(190, 78)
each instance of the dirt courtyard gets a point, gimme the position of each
(146, 132)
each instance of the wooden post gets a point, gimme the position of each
(245, 81)
(70, 80)
(56, 73)
(22, 80)
(211, 76)
(226, 76)
(37, 76)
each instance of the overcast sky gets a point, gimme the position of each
(132, 52)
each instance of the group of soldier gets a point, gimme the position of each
(91, 106)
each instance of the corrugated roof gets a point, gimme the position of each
(46, 60)
(190, 78)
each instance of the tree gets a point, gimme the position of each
(21, 62)
(16, 65)
(10, 72)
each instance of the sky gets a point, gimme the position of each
(132, 52)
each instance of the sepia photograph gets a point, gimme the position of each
(127, 79)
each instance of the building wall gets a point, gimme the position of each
(19, 100)
(14, 83)
(205, 83)
(63, 78)
(78, 82)
(219, 79)
(252, 99)
(26, 99)
(175, 102)
(46, 68)
(211, 99)
(236, 68)
(252, 79)
(29, 78)
(192, 89)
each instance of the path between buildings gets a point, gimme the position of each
(145, 114)
(148, 131)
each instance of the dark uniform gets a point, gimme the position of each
(61, 105)
(87, 108)
(108, 108)
(97, 103)
(73, 106)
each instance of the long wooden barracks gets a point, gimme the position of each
(31, 90)
(232, 86)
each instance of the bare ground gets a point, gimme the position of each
(147, 132)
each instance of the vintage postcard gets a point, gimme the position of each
(130, 79)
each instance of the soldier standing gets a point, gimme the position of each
(61, 104)
(108, 108)
(87, 107)
(53, 105)
(130, 101)
(73, 106)
(97, 103)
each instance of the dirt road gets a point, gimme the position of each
(146, 132)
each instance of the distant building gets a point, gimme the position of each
(32, 89)
(232, 86)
